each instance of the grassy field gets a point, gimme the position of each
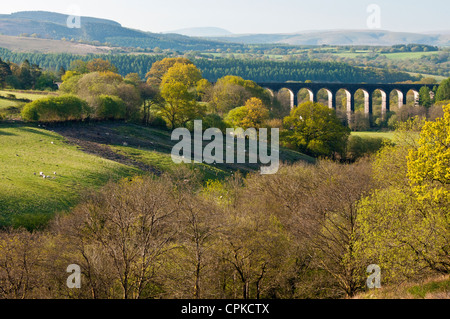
(29, 200)
(7, 103)
(383, 135)
(27, 95)
(391, 56)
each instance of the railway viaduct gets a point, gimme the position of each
(350, 90)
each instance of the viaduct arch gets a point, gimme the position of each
(350, 89)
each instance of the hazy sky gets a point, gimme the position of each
(253, 16)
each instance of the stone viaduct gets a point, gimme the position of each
(350, 89)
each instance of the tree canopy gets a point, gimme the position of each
(315, 129)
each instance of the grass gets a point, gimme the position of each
(391, 56)
(26, 95)
(408, 55)
(163, 162)
(383, 135)
(159, 155)
(26, 199)
(7, 103)
(432, 288)
(30, 201)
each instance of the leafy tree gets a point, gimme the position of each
(252, 115)
(429, 163)
(424, 97)
(100, 65)
(46, 81)
(443, 91)
(315, 129)
(110, 108)
(232, 91)
(79, 67)
(160, 68)
(133, 78)
(5, 71)
(405, 223)
(178, 88)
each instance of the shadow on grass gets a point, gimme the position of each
(35, 131)
(6, 133)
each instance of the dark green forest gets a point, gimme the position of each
(213, 69)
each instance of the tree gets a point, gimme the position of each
(20, 264)
(405, 226)
(160, 68)
(5, 72)
(443, 91)
(110, 108)
(61, 72)
(252, 115)
(178, 88)
(46, 81)
(315, 129)
(100, 65)
(79, 67)
(424, 97)
(232, 91)
(120, 235)
(133, 78)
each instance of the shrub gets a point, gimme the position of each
(110, 108)
(56, 109)
(358, 147)
(214, 121)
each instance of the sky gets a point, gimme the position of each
(255, 16)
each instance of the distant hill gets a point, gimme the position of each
(342, 37)
(23, 44)
(203, 32)
(57, 18)
(49, 25)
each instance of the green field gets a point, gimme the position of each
(6, 103)
(26, 95)
(29, 200)
(391, 56)
(383, 135)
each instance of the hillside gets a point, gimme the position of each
(84, 157)
(48, 25)
(26, 44)
(342, 37)
(202, 32)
